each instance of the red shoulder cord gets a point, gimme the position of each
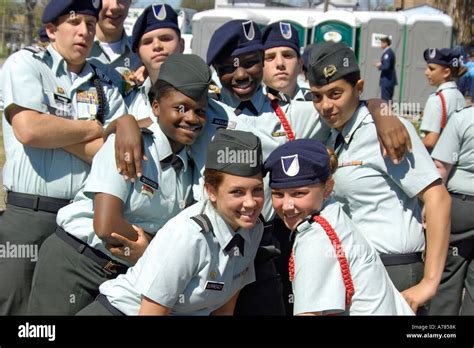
(281, 115)
(341, 257)
(443, 106)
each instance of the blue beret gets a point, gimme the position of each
(234, 37)
(152, 18)
(298, 163)
(442, 56)
(56, 8)
(281, 34)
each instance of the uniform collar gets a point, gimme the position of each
(145, 88)
(163, 147)
(447, 85)
(125, 44)
(258, 100)
(59, 66)
(222, 229)
(353, 124)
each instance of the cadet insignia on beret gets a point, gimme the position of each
(290, 165)
(432, 53)
(285, 29)
(249, 30)
(161, 15)
(329, 71)
(96, 3)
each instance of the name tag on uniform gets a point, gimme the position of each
(148, 186)
(214, 286)
(62, 106)
(350, 164)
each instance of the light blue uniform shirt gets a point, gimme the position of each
(433, 111)
(116, 68)
(149, 202)
(319, 285)
(182, 263)
(456, 146)
(379, 196)
(40, 81)
(138, 103)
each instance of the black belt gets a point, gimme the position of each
(462, 196)
(96, 255)
(102, 299)
(401, 259)
(47, 204)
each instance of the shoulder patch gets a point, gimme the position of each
(101, 75)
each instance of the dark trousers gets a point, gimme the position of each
(458, 275)
(264, 296)
(387, 92)
(282, 234)
(21, 229)
(65, 281)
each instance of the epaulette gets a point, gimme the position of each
(146, 131)
(464, 107)
(203, 221)
(35, 49)
(101, 75)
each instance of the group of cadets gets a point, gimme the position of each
(148, 190)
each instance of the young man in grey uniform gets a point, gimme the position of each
(55, 105)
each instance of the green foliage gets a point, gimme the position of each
(198, 5)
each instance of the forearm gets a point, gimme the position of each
(85, 151)
(119, 226)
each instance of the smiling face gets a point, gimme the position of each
(238, 199)
(113, 15)
(155, 46)
(337, 101)
(437, 74)
(72, 37)
(281, 69)
(294, 205)
(180, 117)
(241, 75)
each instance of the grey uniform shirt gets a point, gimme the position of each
(456, 146)
(116, 68)
(40, 82)
(149, 203)
(186, 269)
(138, 102)
(319, 286)
(433, 111)
(379, 196)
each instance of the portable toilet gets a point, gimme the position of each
(422, 32)
(302, 20)
(337, 26)
(371, 27)
(205, 24)
(185, 16)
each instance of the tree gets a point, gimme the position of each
(461, 13)
(198, 5)
(30, 20)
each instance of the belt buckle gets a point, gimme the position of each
(111, 267)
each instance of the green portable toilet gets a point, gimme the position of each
(205, 24)
(337, 26)
(371, 26)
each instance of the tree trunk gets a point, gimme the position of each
(30, 20)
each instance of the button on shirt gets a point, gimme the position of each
(433, 111)
(149, 202)
(40, 81)
(119, 67)
(456, 146)
(319, 286)
(138, 103)
(183, 267)
(379, 196)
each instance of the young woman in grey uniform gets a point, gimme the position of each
(199, 261)
(332, 267)
(454, 158)
(98, 235)
(382, 198)
(442, 70)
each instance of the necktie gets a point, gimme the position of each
(175, 162)
(339, 141)
(246, 104)
(237, 243)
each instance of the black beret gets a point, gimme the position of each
(154, 17)
(329, 62)
(56, 8)
(298, 163)
(281, 34)
(188, 73)
(235, 152)
(234, 38)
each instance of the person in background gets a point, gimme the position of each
(388, 74)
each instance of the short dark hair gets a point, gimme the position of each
(352, 78)
(387, 40)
